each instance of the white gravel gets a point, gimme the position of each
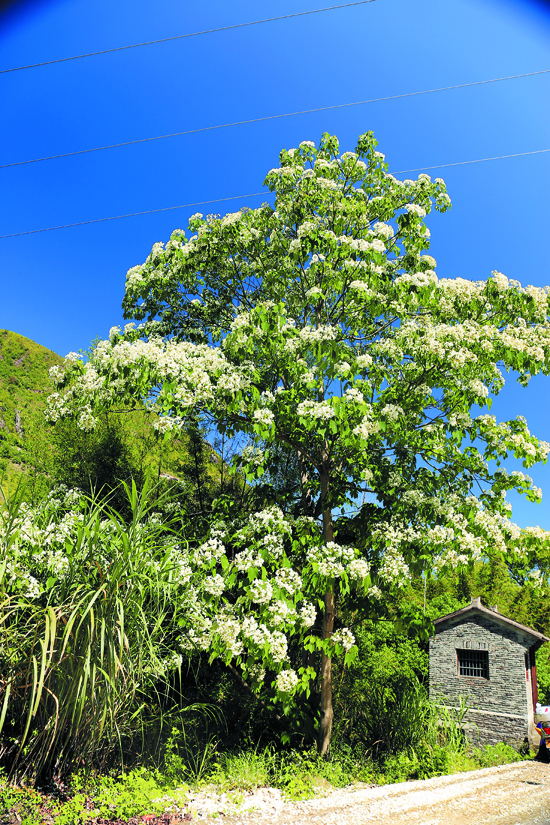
(517, 794)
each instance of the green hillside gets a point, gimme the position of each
(24, 380)
(24, 388)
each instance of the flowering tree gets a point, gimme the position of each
(320, 323)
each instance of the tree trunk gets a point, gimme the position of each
(325, 726)
(308, 508)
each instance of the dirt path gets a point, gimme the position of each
(516, 794)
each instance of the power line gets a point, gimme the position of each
(182, 36)
(273, 117)
(133, 214)
(479, 160)
(252, 195)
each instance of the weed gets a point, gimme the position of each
(244, 771)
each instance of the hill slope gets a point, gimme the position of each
(24, 388)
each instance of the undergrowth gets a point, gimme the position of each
(143, 793)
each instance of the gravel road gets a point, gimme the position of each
(517, 794)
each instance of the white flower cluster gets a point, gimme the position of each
(363, 287)
(359, 569)
(228, 629)
(415, 209)
(215, 585)
(261, 591)
(478, 388)
(278, 646)
(288, 580)
(392, 412)
(57, 374)
(211, 550)
(280, 612)
(331, 560)
(314, 292)
(367, 427)
(317, 410)
(252, 455)
(361, 245)
(343, 638)
(286, 681)
(363, 361)
(353, 395)
(536, 578)
(429, 260)
(418, 279)
(383, 229)
(342, 368)
(394, 569)
(307, 228)
(231, 218)
(264, 416)
(308, 615)
(254, 632)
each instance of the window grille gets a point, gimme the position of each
(473, 663)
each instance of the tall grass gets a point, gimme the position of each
(85, 666)
(396, 717)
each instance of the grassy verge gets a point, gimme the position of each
(146, 795)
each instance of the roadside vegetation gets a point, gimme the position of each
(104, 721)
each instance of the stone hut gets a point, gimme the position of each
(489, 660)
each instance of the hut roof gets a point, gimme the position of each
(475, 607)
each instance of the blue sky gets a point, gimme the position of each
(63, 288)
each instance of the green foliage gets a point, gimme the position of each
(133, 794)
(123, 796)
(542, 660)
(492, 755)
(124, 448)
(97, 463)
(24, 369)
(300, 774)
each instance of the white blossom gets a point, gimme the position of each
(359, 569)
(415, 209)
(261, 591)
(343, 637)
(286, 681)
(308, 615)
(315, 409)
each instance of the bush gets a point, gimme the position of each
(492, 755)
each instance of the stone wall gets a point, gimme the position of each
(492, 728)
(501, 706)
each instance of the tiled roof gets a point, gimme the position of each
(491, 612)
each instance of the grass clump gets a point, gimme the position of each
(244, 771)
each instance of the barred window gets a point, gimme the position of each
(473, 663)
